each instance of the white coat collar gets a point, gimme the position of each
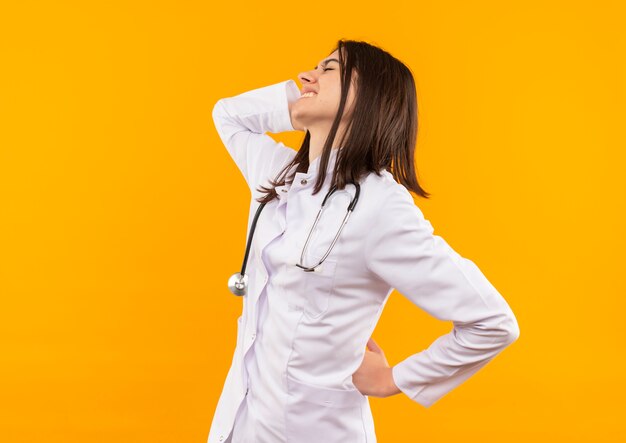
(311, 173)
(314, 165)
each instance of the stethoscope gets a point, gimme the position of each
(238, 282)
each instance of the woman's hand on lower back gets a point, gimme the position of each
(374, 376)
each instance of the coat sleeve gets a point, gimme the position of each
(242, 121)
(403, 251)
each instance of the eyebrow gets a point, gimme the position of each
(325, 62)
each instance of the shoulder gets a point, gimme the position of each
(389, 195)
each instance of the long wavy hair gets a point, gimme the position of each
(381, 132)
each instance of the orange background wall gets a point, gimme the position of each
(122, 215)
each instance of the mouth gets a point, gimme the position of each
(308, 94)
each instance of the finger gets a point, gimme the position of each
(372, 345)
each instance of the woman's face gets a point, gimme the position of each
(317, 109)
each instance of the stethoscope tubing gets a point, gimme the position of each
(238, 282)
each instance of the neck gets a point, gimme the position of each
(318, 138)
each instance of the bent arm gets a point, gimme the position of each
(403, 251)
(242, 122)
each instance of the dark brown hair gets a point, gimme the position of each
(382, 132)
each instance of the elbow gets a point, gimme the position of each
(221, 119)
(217, 109)
(501, 329)
(510, 327)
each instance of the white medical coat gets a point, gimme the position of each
(328, 316)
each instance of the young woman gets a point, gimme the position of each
(305, 364)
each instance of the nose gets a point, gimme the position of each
(307, 77)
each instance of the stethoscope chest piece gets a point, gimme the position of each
(238, 284)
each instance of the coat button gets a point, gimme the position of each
(303, 181)
(221, 437)
(253, 335)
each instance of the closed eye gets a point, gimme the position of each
(328, 69)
